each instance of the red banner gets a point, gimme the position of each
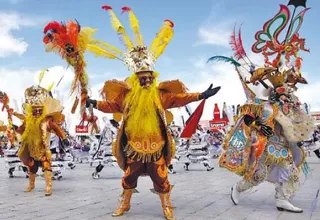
(82, 129)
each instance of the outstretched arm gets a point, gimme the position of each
(172, 100)
(53, 126)
(107, 106)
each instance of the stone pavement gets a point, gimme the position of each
(198, 195)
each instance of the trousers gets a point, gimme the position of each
(156, 170)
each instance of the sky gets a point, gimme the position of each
(202, 29)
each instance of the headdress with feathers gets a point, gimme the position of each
(137, 57)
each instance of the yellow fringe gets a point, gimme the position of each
(251, 109)
(144, 157)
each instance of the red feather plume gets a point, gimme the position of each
(171, 23)
(54, 25)
(235, 45)
(125, 8)
(106, 7)
(240, 44)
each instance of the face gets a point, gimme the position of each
(145, 79)
(37, 111)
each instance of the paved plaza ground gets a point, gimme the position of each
(197, 194)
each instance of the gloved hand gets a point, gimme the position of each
(91, 101)
(66, 142)
(266, 130)
(209, 92)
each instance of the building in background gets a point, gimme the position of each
(316, 117)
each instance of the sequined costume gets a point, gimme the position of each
(263, 144)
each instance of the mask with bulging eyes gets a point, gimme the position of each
(37, 111)
(146, 80)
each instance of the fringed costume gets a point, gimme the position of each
(143, 144)
(43, 116)
(263, 144)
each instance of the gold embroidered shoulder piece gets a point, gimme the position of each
(173, 86)
(113, 88)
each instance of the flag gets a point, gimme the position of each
(193, 121)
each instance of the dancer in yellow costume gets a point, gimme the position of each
(43, 116)
(144, 144)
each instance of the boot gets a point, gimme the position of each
(239, 187)
(186, 166)
(285, 205)
(48, 178)
(32, 179)
(209, 168)
(235, 194)
(170, 169)
(124, 202)
(166, 206)
(282, 196)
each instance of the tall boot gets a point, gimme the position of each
(124, 203)
(283, 194)
(32, 179)
(239, 187)
(48, 178)
(166, 206)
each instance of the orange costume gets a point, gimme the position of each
(144, 144)
(43, 116)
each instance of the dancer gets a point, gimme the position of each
(196, 150)
(263, 144)
(144, 144)
(43, 114)
(102, 147)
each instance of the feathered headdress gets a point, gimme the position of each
(10, 132)
(137, 57)
(70, 41)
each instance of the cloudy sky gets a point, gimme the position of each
(202, 29)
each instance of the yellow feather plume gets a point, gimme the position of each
(134, 24)
(50, 86)
(41, 75)
(164, 36)
(100, 52)
(118, 27)
(85, 37)
(107, 46)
